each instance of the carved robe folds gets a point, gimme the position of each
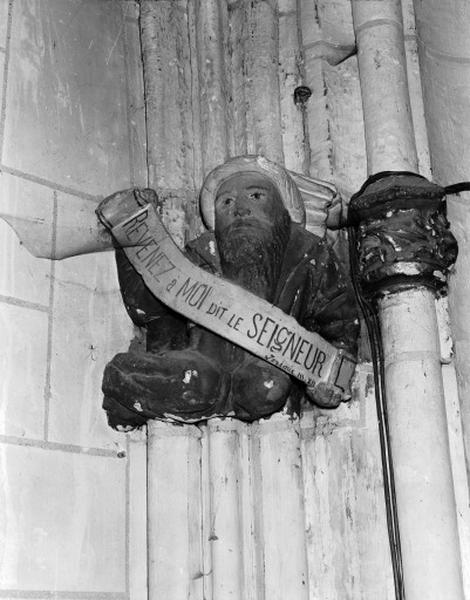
(189, 374)
(255, 211)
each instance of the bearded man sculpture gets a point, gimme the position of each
(256, 239)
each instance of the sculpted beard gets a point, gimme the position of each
(251, 255)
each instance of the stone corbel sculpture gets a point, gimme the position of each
(257, 240)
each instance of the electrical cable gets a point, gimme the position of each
(456, 188)
(375, 338)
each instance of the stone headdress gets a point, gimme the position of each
(307, 200)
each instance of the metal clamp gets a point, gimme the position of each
(402, 236)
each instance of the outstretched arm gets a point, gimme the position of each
(166, 330)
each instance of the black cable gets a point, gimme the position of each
(375, 338)
(456, 188)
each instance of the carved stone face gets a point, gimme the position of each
(247, 200)
(251, 228)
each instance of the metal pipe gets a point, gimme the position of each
(420, 448)
(413, 377)
(390, 142)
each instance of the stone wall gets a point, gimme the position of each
(240, 511)
(70, 133)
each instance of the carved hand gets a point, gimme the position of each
(326, 396)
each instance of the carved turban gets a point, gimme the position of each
(297, 191)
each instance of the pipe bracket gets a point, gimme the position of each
(402, 236)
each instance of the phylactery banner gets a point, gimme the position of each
(221, 306)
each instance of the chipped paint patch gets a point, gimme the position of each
(138, 406)
(124, 428)
(189, 374)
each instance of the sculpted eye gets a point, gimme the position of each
(224, 201)
(256, 195)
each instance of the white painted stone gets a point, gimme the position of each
(136, 106)
(136, 507)
(262, 83)
(281, 551)
(346, 126)
(415, 89)
(167, 76)
(24, 366)
(89, 326)
(28, 209)
(337, 28)
(213, 97)
(64, 512)
(316, 110)
(66, 116)
(346, 531)
(22, 275)
(227, 480)
(292, 115)
(78, 230)
(3, 23)
(62, 521)
(175, 567)
(444, 52)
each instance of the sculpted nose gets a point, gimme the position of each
(242, 207)
(241, 211)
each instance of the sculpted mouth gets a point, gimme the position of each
(247, 223)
